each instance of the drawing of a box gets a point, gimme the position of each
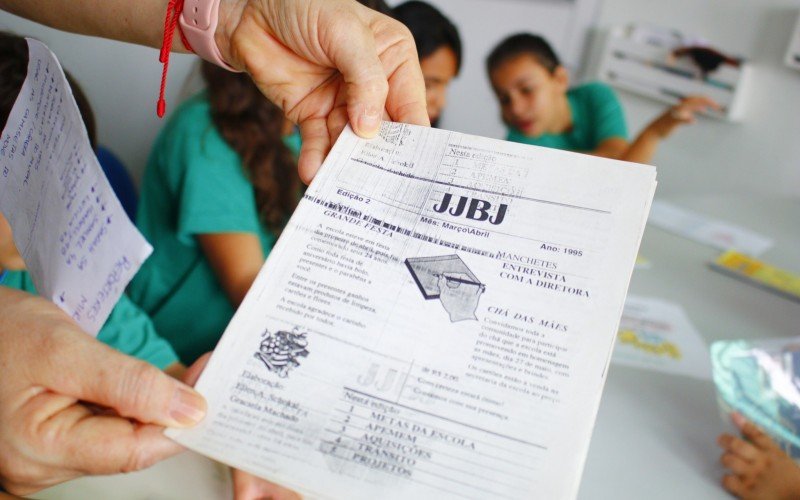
(426, 272)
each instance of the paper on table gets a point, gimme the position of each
(706, 230)
(658, 335)
(435, 321)
(78, 244)
(758, 273)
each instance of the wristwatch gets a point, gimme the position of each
(198, 23)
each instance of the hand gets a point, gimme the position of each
(325, 62)
(681, 114)
(249, 487)
(759, 469)
(53, 376)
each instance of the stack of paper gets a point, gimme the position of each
(657, 335)
(435, 321)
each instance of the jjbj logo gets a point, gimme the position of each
(476, 209)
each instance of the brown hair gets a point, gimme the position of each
(253, 127)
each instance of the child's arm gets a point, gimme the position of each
(759, 469)
(176, 370)
(613, 148)
(236, 259)
(247, 486)
(644, 147)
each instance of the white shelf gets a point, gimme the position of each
(643, 65)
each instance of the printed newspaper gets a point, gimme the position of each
(436, 321)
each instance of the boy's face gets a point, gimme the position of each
(528, 94)
(439, 69)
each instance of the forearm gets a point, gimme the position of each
(235, 258)
(139, 21)
(643, 148)
(613, 148)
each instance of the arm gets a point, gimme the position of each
(235, 259)
(612, 148)
(644, 147)
(324, 62)
(140, 22)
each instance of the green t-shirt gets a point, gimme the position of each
(194, 184)
(294, 142)
(127, 329)
(596, 116)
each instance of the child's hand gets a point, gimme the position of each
(759, 469)
(249, 487)
(682, 113)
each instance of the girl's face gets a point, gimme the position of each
(529, 94)
(439, 69)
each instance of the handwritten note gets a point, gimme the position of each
(78, 244)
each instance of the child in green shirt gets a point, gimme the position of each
(219, 185)
(439, 49)
(127, 328)
(539, 108)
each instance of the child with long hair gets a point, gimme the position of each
(220, 184)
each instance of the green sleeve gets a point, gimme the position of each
(215, 194)
(607, 116)
(129, 330)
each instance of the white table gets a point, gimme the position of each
(655, 433)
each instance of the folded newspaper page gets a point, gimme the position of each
(435, 322)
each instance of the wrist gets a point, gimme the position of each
(660, 128)
(200, 24)
(230, 16)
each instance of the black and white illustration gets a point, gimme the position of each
(447, 278)
(280, 351)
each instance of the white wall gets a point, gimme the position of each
(121, 81)
(760, 154)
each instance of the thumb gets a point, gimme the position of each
(366, 86)
(102, 375)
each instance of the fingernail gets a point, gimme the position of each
(369, 122)
(187, 407)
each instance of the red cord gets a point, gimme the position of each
(174, 9)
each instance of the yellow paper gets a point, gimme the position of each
(759, 273)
